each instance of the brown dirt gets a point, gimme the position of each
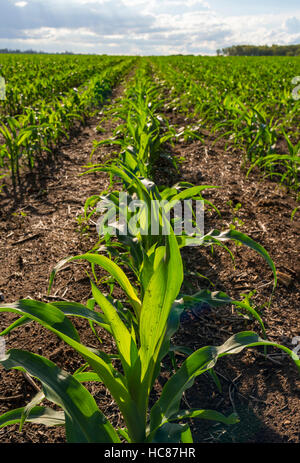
(265, 392)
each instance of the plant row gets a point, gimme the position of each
(31, 80)
(41, 128)
(252, 103)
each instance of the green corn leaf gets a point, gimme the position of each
(110, 267)
(68, 308)
(23, 137)
(182, 415)
(78, 310)
(112, 379)
(45, 314)
(103, 368)
(189, 193)
(125, 343)
(86, 377)
(35, 401)
(20, 322)
(211, 415)
(171, 433)
(84, 421)
(162, 289)
(38, 415)
(186, 436)
(199, 362)
(246, 240)
(219, 298)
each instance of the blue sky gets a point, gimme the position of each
(231, 7)
(146, 26)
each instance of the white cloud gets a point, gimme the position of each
(137, 26)
(21, 4)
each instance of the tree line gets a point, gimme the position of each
(260, 50)
(32, 52)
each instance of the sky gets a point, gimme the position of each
(151, 27)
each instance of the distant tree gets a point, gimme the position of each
(261, 50)
(32, 52)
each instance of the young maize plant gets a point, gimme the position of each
(142, 336)
(135, 246)
(284, 166)
(15, 137)
(249, 128)
(139, 239)
(144, 132)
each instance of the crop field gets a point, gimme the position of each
(149, 225)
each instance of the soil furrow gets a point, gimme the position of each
(265, 392)
(34, 236)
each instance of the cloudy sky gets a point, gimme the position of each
(146, 27)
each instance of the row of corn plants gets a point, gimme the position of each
(149, 270)
(249, 101)
(41, 128)
(31, 79)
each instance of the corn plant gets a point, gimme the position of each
(144, 132)
(15, 137)
(284, 166)
(135, 249)
(142, 341)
